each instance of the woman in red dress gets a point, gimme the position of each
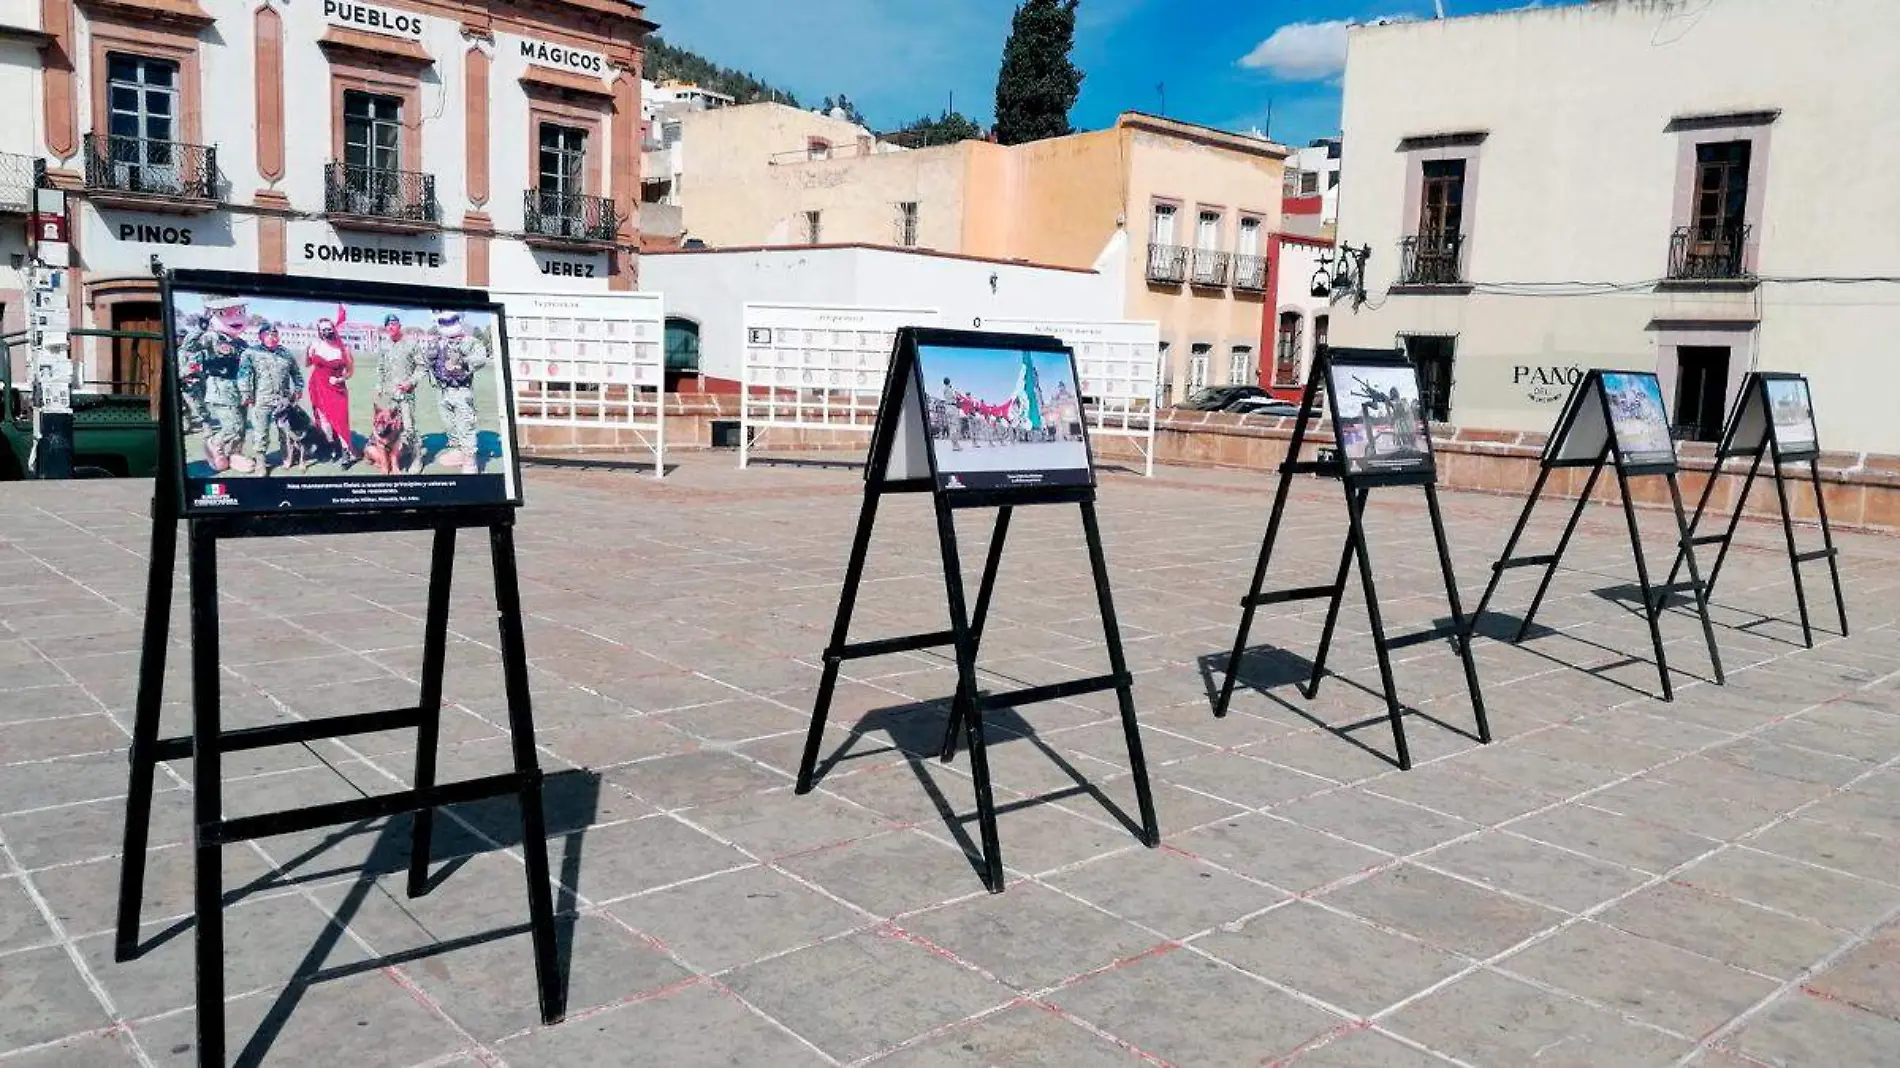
(331, 365)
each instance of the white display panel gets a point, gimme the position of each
(1119, 363)
(816, 367)
(595, 361)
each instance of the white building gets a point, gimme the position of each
(1299, 324)
(707, 290)
(448, 142)
(20, 42)
(1312, 188)
(1699, 188)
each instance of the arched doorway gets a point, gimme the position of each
(682, 354)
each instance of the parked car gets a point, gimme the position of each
(1270, 406)
(1218, 398)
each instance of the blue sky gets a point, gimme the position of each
(989, 375)
(1222, 61)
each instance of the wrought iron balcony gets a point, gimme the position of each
(1431, 260)
(1709, 254)
(1209, 267)
(381, 199)
(569, 217)
(1167, 264)
(146, 171)
(1250, 272)
(18, 178)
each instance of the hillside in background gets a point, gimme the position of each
(666, 61)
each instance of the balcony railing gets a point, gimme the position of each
(17, 181)
(1167, 264)
(145, 167)
(1709, 254)
(569, 216)
(374, 193)
(1250, 272)
(1209, 267)
(1431, 260)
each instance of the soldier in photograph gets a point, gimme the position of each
(453, 355)
(217, 349)
(191, 376)
(271, 383)
(399, 366)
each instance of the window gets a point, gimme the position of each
(1432, 356)
(1441, 205)
(1249, 242)
(142, 115)
(817, 148)
(1309, 183)
(1207, 231)
(1197, 368)
(1721, 186)
(1701, 391)
(1240, 370)
(1286, 351)
(372, 132)
(1162, 230)
(1167, 373)
(907, 224)
(670, 133)
(814, 227)
(1332, 179)
(563, 152)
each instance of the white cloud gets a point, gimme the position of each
(1303, 51)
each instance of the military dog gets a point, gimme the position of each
(384, 451)
(297, 433)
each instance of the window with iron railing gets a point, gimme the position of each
(1240, 369)
(1430, 256)
(907, 224)
(814, 227)
(1286, 350)
(1167, 264)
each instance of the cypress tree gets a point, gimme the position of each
(1037, 84)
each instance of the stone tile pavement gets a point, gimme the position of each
(1616, 880)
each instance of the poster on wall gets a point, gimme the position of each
(1638, 418)
(1378, 419)
(1002, 416)
(371, 397)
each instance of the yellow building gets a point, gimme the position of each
(1185, 209)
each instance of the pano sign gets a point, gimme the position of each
(563, 57)
(373, 18)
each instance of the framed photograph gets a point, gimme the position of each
(1792, 411)
(304, 396)
(1002, 412)
(1638, 419)
(1378, 420)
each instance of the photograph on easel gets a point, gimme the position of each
(1638, 418)
(1792, 412)
(1003, 418)
(1378, 419)
(289, 402)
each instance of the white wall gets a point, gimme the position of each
(1293, 292)
(1578, 180)
(711, 288)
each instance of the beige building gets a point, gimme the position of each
(1702, 189)
(1187, 207)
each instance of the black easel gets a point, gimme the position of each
(1358, 486)
(208, 741)
(1584, 438)
(1752, 431)
(965, 633)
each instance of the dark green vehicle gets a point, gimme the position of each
(115, 429)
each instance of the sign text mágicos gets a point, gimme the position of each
(355, 15)
(556, 55)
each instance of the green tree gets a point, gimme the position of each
(665, 61)
(946, 129)
(1037, 84)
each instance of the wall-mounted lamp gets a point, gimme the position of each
(1342, 271)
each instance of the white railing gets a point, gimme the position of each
(16, 182)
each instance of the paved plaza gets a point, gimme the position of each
(1614, 881)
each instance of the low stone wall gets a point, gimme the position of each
(1862, 490)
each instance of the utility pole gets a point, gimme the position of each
(49, 342)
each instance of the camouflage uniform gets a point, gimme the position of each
(452, 363)
(191, 378)
(219, 356)
(270, 381)
(399, 366)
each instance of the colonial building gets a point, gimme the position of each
(1703, 189)
(448, 142)
(1187, 209)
